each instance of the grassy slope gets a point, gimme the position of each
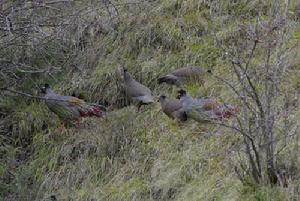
(141, 156)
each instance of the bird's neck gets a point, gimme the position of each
(127, 77)
(163, 103)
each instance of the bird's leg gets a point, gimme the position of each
(139, 106)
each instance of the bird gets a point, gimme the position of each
(78, 94)
(172, 108)
(136, 91)
(205, 109)
(178, 76)
(69, 108)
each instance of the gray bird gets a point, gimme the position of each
(172, 108)
(68, 107)
(178, 76)
(136, 91)
(204, 109)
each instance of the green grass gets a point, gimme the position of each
(129, 155)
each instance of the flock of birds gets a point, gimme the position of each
(184, 107)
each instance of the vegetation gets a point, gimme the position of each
(252, 49)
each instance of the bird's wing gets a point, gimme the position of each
(173, 105)
(136, 89)
(73, 101)
(61, 106)
(187, 71)
(210, 104)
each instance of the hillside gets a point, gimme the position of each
(252, 49)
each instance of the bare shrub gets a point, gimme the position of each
(258, 54)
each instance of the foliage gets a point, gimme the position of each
(76, 46)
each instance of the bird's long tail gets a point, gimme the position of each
(96, 110)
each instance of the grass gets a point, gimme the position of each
(130, 155)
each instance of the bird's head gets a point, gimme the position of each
(44, 88)
(161, 98)
(181, 93)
